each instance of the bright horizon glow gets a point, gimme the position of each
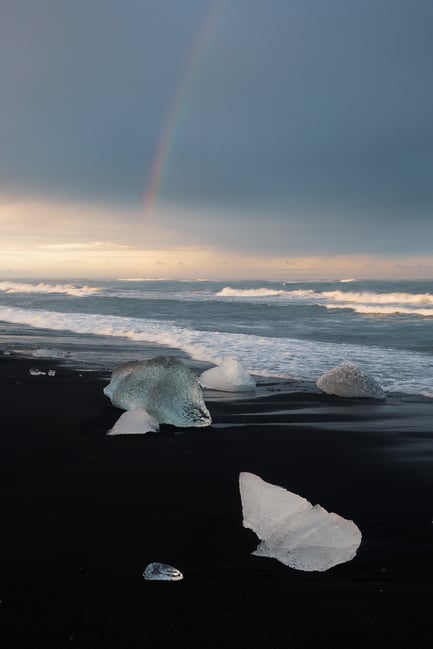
(216, 139)
(90, 241)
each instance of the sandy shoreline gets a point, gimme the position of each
(83, 514)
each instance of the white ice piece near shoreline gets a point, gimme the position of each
(347, 380)
(292, 531)
(229, 376)
(163, 386)
(135, 422)
(34, 371)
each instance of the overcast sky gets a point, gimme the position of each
(289, 132)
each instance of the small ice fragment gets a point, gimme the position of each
(35, 372)
(135, 422)
(51, 372)
(162, 572)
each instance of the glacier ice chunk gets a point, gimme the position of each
(292, 530)
(229, 376)
(34, 371)
(164, 386)
(347, 380)
(135, 422)
(162, 572)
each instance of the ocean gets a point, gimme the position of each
(291, 331)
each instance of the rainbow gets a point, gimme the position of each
(200, 45)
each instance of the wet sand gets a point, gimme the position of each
(83, 514)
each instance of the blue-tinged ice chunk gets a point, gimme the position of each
(230, 376)
(347, 380)
(163, 386)
(162, 572)
(135, 422)
(292, 530)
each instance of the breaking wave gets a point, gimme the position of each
(257, 292)
(420, 304)
(376, 309)
(379, 298)
(42, 287)
(400, 370)
(142, 279)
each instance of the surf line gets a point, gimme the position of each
(200, 45)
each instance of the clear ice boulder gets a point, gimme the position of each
(163, 386)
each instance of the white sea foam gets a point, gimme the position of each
(43, 287)
(44, 352)
(366, 302)
(363, 302)
(323, 297)
(377, 309)
(366, 297)
(142, 279)
(394, 369)
(250, 292)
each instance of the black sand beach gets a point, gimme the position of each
(83, 514)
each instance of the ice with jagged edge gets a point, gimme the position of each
(347, 380)
(162, 572)
(229, 376)
(292, 530)
(163, 386)
(135, 422)
(34, 371)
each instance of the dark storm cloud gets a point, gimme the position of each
(86, 87)
(332, 103)
(319, 108)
